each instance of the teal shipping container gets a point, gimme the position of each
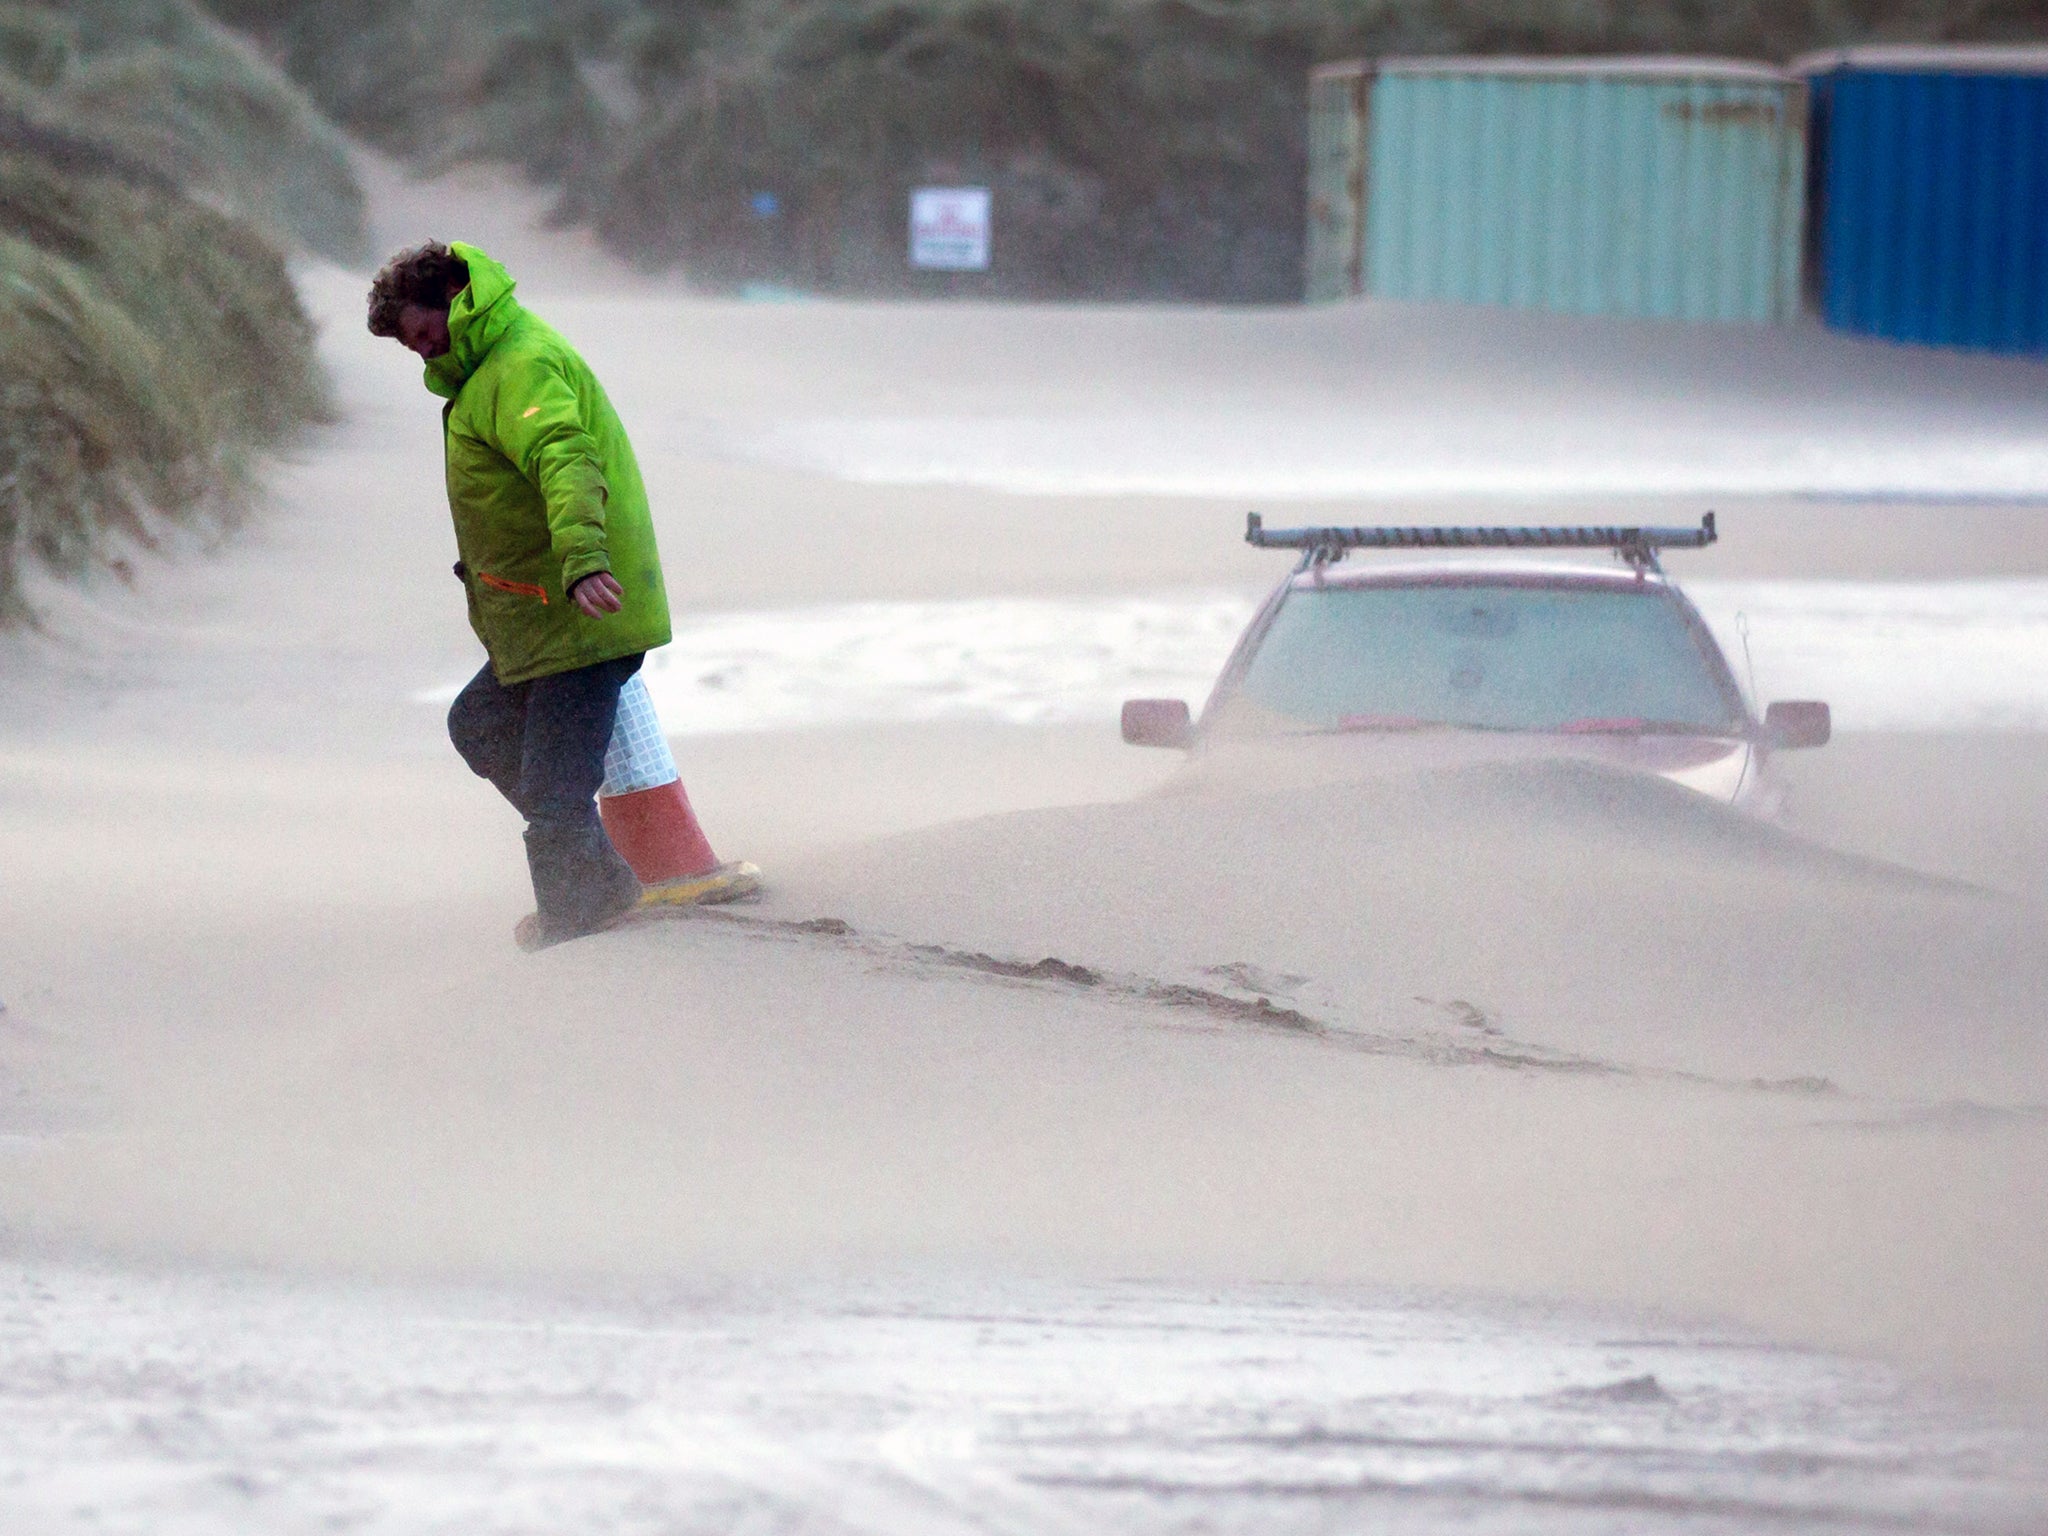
(1653, 188)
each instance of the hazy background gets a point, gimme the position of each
(1137, 149)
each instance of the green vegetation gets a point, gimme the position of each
(1132, 150)
(147, 345)
(150, 337)
(162, 84)
(1142, 148)
(441, 81)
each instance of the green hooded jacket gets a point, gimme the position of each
(543, 487)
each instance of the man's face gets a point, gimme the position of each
(424, 331)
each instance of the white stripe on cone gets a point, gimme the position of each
(645, 809)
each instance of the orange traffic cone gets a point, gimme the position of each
(645, 810)
(656, 832)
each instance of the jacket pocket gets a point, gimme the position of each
(516, 588)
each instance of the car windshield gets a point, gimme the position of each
(1496, 657)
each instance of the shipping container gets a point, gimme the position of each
(1930, 194)
(1665, 188)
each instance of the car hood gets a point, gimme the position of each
(1719, 767)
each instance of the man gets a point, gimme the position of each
(558, 560)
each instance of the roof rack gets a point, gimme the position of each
(1322, 546)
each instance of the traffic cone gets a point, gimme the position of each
(645, 810)
(656, 832)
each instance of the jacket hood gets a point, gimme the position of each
(479, 317)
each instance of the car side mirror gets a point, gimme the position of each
(1791, 724)
(1158, 723)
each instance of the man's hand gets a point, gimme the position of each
(598, 594)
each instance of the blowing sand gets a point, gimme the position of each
(1531, 1030)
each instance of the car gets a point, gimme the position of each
(1512, 655)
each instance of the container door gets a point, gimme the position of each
(1653, 196)
(1934, 196)
(1339, 96)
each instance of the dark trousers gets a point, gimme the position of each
(542, 743)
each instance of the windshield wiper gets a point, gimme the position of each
(1347, 724)
(1398, 725)
(1633, 726)
(1622, 725)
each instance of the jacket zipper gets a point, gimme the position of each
(518, 588)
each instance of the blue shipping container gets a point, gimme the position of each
(1932, 189)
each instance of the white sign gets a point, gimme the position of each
(949, 229)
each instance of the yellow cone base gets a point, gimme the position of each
(728, 882)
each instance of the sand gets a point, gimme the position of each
(1536, 1030)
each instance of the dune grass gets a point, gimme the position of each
(227, 129)
(148, 346)
(151, 341)
(442, 81)
(164, 84)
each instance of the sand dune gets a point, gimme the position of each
(1619, 921)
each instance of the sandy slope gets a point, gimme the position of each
(256, 919)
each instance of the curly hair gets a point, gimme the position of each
(428, 275)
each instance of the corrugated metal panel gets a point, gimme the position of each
(1933, 186)
(1335, 247)
(1661, 188)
